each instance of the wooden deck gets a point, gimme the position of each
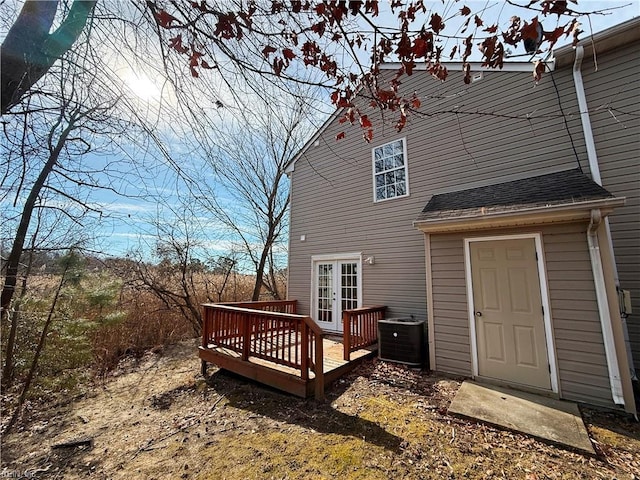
(267, 342)
(287, 378)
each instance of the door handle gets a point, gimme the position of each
(478, 314)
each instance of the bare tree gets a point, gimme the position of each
(62, 129)
(71, 273)
(346, 42)
(52, 233)
(72, 117)
(178, 273)
(248, 167)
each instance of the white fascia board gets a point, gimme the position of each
(611, 38)
(523, 217)
(290, 167)
(476, 66)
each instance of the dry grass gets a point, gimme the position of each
(103, 319)
(145, 324)
(157, 418)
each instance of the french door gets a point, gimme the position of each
(336, 287)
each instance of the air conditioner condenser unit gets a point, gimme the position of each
(402, 340)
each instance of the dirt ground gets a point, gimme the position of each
(158, 418)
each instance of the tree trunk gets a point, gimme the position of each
(13, 262)
(29, 50)
(7, 371)
(260, 270)
(39, 348)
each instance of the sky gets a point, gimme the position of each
(122, 237)
(130, 222)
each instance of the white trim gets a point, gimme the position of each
(470, 312)
(607, 329)
(544, 294)
(613, 367)
(333, 258)
(336, 256)
(618, 35)
(477, 219)
(477, 66)
(431, 340)
(406, 169)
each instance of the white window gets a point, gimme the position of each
(390, 176)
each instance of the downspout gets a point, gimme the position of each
(584, 117)
(595, 175)
(603, 307)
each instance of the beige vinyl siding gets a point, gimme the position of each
(332, 183)
(614, 110)
(332, 205)
(580, 352)
(501, 128)
(576, 323)
(515, 134)
(451, 321)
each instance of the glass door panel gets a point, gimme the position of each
(325, 296)
(336, 289)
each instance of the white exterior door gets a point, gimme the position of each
(336, 287)
(509, 318)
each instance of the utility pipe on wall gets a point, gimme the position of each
(603, 307)
(584, 116)
(594, 167)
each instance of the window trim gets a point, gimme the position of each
(406, 169)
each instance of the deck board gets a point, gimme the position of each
(334, 365)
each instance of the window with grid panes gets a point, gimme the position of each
(390, 171)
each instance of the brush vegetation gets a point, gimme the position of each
(102, 313)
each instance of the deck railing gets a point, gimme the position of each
(360, 327)
(282, 338)
(282, 306)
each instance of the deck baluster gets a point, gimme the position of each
(246, 335)
(241, 339)
(360, 328)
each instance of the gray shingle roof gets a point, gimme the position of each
(566, 187)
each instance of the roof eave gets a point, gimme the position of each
(477, 66)
(614, 37)
(291, 165)
(563, 213)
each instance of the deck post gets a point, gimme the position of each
(246, 336)
(319, 361)
(304, 351)
(346, 335)
(205, 327)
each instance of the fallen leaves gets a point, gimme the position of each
(383, 420)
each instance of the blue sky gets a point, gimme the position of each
(124, 235)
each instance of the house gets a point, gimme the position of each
(506, 215)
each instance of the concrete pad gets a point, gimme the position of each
(548, 419)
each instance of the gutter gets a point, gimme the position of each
(584, 116)
(508, 66)
(537, 215)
